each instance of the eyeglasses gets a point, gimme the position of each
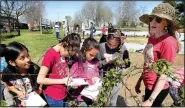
(157, 19)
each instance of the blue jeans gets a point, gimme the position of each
(91, 34)
(57, 35)
(54, 103)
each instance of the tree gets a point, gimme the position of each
(180, 13)
(69, 21)
(172, 2)
(179, 6)
(143, 10)
(97, 11)
(107, 14)
(127, 11)
(133, 24)
(7, 8)
(88, 11)
(35, 12)
(20, 8)
(78, 18)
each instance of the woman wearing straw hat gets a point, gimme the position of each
(162, 44)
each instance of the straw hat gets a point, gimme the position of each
(163, 10)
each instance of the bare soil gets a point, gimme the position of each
(125, 98)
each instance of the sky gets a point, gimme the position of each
(57, 10)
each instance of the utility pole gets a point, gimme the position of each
(58, 16)
(40, 25)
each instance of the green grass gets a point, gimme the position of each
(8, 34)
(36, 43)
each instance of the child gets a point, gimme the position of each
(86, 67)
(109, 51)
(2, 59)
(5, 95)
(3, 65)
(53, 72)
(57, 30)
(20, 74)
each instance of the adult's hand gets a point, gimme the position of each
(137, 87)
(147, 103)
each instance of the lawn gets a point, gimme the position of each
(36, 43)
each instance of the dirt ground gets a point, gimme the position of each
(125, 98)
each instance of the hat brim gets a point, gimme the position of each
(145, 19)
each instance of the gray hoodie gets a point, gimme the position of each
(104, 49)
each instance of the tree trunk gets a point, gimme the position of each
(18, 27)
(9, 25)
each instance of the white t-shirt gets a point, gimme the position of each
(83, 27)
(57, 28)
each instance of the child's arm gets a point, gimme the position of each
(42, 79)
(126, 56)
(14, 90)
(39, 90)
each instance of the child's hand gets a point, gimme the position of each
(23, 103)
(111, 57)
(67, 80)
(21, 95)
(74, 85)
(39, 91)
(108, 57)
(94, 79)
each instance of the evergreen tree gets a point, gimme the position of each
(179, 6)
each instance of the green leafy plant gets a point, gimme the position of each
(112, 77)
(3, 103)
(162, 66)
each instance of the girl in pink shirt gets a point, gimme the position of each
(86, 67)
(54, 69)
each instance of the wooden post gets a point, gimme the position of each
(40, 25)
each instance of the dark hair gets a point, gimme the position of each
(13, 50)
(88, 44)
(115, 34)
(32, 74)
(122, 34)
(171, 31)
(110, 28)
(2, 48)
(72, 40)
